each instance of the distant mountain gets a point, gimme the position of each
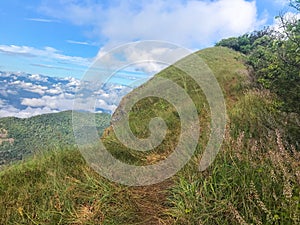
(22, 137)
(25, 95)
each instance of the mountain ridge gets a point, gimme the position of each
(253, 180)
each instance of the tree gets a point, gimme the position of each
(232, 43)
(275, 58)
(244, 43)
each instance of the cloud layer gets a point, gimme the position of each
(47, 52)
(25, 95)
(193, 23)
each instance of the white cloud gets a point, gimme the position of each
(42, 20)
(146, 58)
(103, 104)
(61, 102)
(72, 81)
(11, 92)
(193, 23)
(30, 87)
(150, 56)
(54, 91)
(47, 52)
(34, 102)
(37, 77)
(28, 112)
(8, 110)
(56, 96)
(79, 42)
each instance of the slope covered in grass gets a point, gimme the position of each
(59, 188)
(232, 75)
(255, 178)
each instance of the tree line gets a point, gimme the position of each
(274, 55)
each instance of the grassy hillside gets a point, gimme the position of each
(238, 188)
(255, 178)
(59, 188)
(22, 137)
(230, 71)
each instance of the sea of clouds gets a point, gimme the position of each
(24, 95)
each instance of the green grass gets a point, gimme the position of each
(59, 188)
(229, 69)
(237, 188)
(255, 178)
(249, 183)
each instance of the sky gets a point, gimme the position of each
(63, 37)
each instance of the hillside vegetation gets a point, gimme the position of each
(273, 54)
(255, 178)
(20, 138)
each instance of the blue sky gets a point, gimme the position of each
(63, 37)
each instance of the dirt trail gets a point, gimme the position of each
(151, 203)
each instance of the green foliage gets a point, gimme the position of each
(233, 43)
(276, 62)
(244, 43)
(40, 133)
(275, 59)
